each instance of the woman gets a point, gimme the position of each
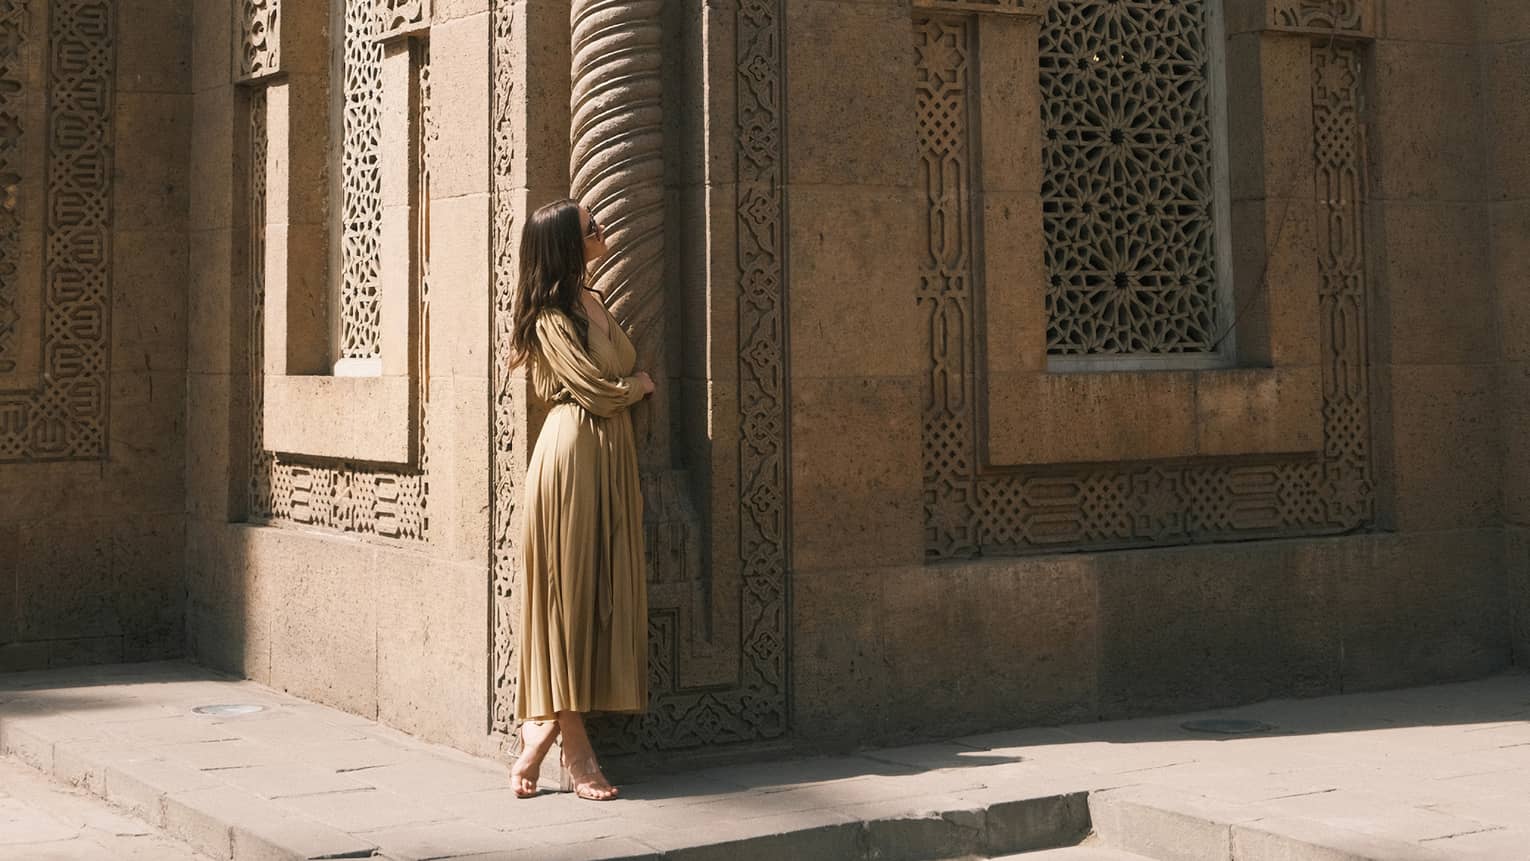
(584, 616)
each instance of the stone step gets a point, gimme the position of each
(1075, 853)
(294, 780)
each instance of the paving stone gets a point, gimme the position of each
(1165, 824)
(434, 776)
(141, 786)
(239, 824)
(950, 832)
(445, 840)
(230, 753)
(1306, 840)
(812, 834)
(364, 810)
(288, 780)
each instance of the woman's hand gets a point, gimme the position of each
(646, 382)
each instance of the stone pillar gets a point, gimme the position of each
(616, 168)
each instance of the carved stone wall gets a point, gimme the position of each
(66, 417)
(972, 509)
(1127, 188)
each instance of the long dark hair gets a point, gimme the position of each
(552, 274)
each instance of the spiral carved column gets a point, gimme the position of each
(617, 169)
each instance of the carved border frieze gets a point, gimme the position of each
(972, 510)
(66, 418)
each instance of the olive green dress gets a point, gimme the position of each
(584, 613)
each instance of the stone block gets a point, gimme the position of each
(853, 275)
(1436, 306)
(324, 623)
(151, 181)
(212, 37)
(1428, 21)
(1511, 270)
(154, 46)
(925, 834)
(834, 50)
(856, 492)
(149, 296)
(211, 337)
(140, 788)
(812, 834)
(432, 624)
(231, 823)
(362, 418)
(10, 574)
(1275, 283)
(1517, 576)
(1446, 438)
(211, 469)
(1279, 837)
(148, 557)
(1425, 132)
(1514, 400)
(458, 272)
(963, 644)
(1203, 627)
(1164, 823)
(1247, 411)
(1427, 608)
(1009, 104)
(1502, 21)
(1090, 416)
(86, 651)
(148, 449)
(1269, 119)
(456, 838)
(1028, 824)
(839, 668)
(1012, 306)
(65, 586)
(1506, 80)
(218, 125)
(459, 81)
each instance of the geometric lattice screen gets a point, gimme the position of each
(1127, 187)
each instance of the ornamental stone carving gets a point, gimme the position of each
(65, 417)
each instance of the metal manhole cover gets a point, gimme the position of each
(228, 710)
(1226, 726)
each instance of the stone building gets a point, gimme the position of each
(1021, 361)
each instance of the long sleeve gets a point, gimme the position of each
(603, 394)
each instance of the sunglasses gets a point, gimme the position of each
(595, 227)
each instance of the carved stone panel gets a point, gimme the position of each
(402, 17)
(259, 39)
(972, 509)
(361, 182)
(65, 418)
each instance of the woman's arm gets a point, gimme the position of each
(603, 395)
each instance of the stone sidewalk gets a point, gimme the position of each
(41, 820)
(1430, 773)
